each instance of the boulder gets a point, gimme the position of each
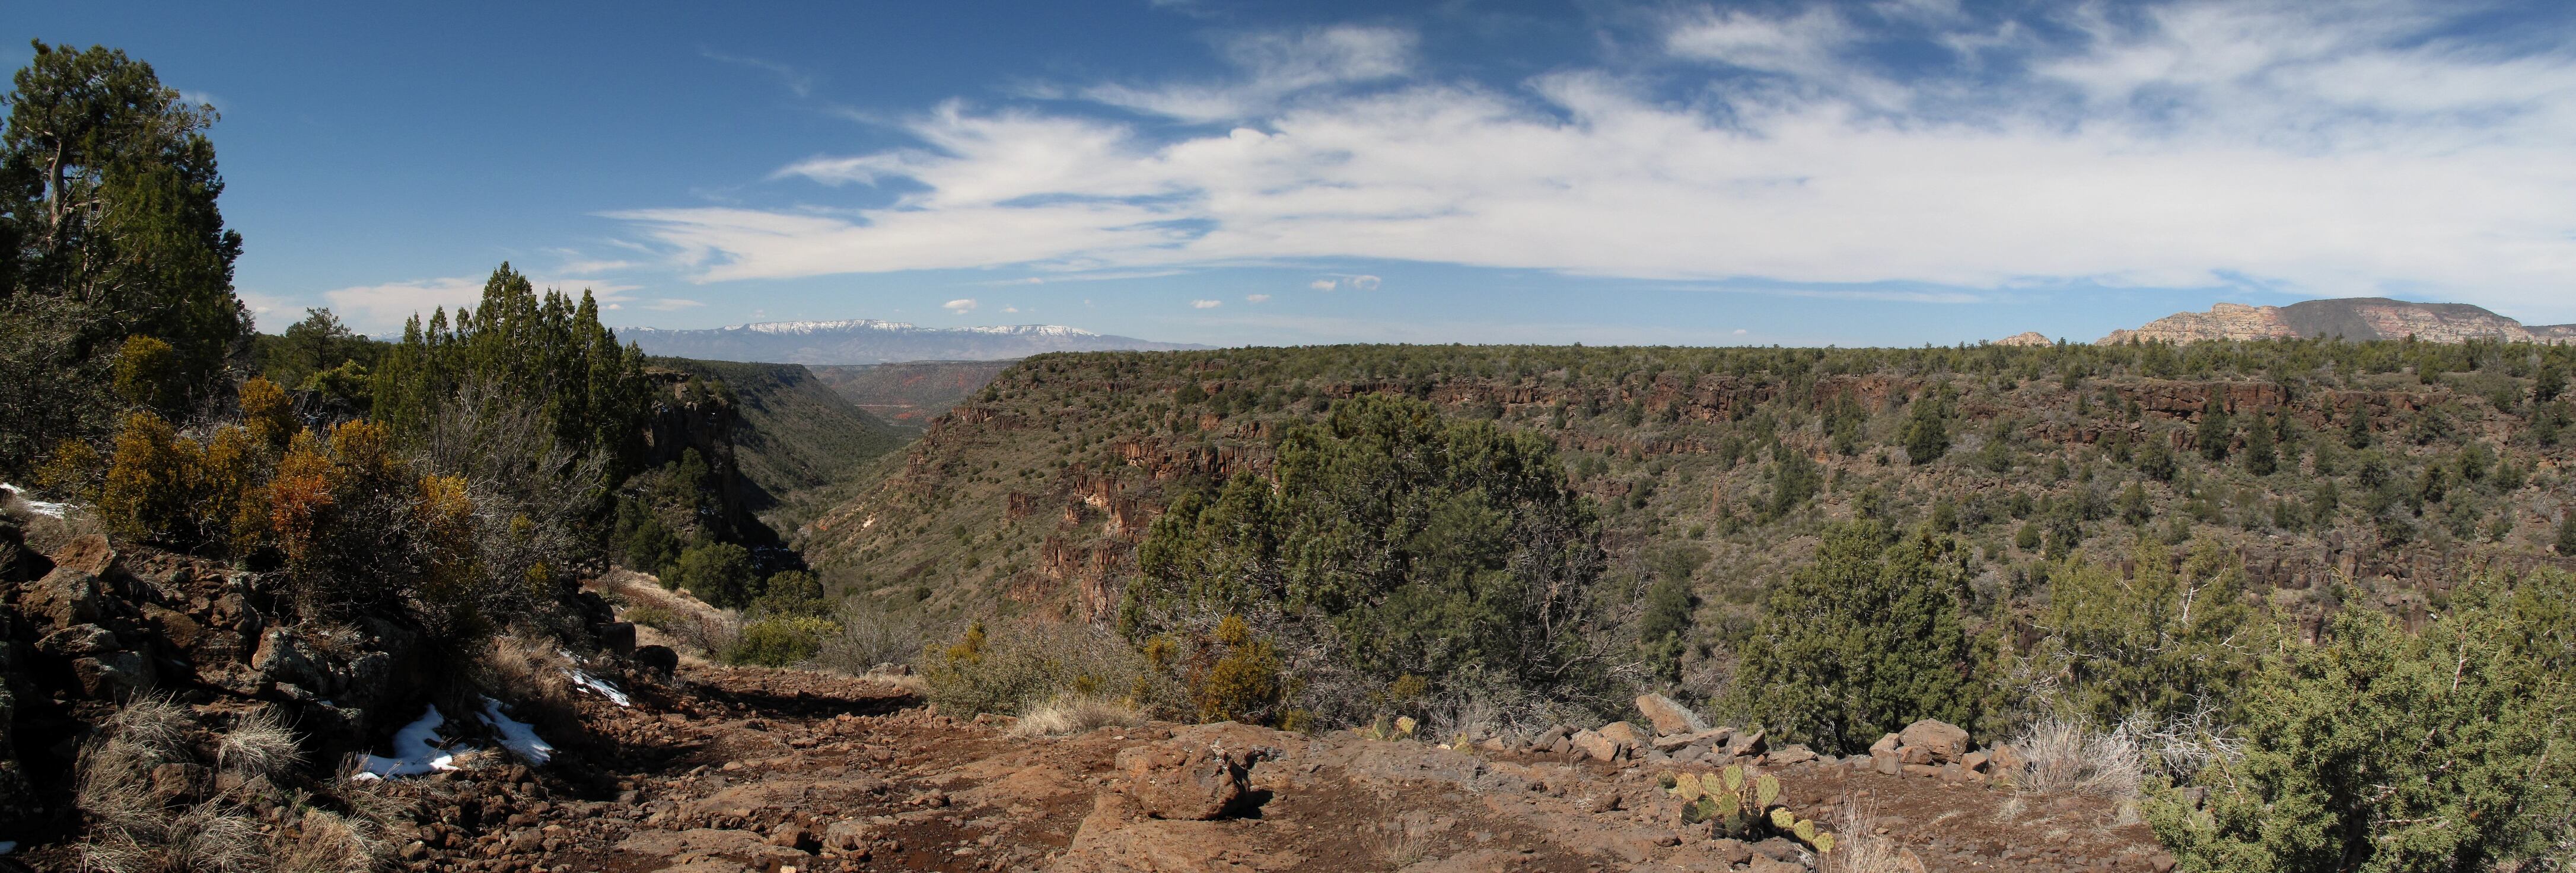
(1886, 762)
(113, 675)
(1595, 746)
(1199, 774)
(848, 834)
(1748, 744)
(1623, 733)
(88, 554)
(1669, 716)
(65, 597)
(1945, 741)
(283, 657)
(79, 641)
(1790, 754)
(658, 660)
(618, 637)
(1887, 743)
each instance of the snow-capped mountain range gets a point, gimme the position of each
(870, 341)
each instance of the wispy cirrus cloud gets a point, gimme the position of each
(798, 82)
(2320, 149)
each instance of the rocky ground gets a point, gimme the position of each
(730, 769)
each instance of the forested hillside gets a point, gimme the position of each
(2395, 466)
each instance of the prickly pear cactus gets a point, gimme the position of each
(1734, 776)
(1766, 791)
(1404, 726)
(1805, 831)
(1823, 842)
(1782, 819)
(1667, 780)
(1688, 787)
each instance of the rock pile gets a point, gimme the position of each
(1936, 749)
(1675, 735)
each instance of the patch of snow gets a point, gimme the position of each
(417, 750)
(598, 686)
(517, 736)
(40, 507)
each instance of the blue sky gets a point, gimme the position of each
(1895, 172)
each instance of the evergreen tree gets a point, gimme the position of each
(2356, 428)
(1861, 642)
(2161, 642)
(2260, 459)
(2216, 431)
(2380, 750)
(1407, 542)
(520, 346)
(1927, 431)
(2156, 459)
(108, 229)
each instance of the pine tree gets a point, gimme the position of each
(108, 229)
(2356, 428)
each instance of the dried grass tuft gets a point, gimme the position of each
(2069, 757)
(1858, 847)
(1069, 715)
(330, 843)
(259, 746)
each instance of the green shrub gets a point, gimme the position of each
(780, 642)
(718, 573)
(1862, 642)
(1404, 541)
(2380, 750)
(1007, 668)
(2162, 642)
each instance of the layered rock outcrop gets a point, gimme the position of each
(2354, 318)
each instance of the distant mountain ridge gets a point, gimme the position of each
(2352, 318)
(870, 341)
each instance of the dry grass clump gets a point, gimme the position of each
(533, 676)
(1074, 714)
(259, 746)
(1859, 848)
(327, 842)
(137, 824)
(2069, 757)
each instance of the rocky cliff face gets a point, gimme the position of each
(2355, 318)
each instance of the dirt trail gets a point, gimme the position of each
(732, 769)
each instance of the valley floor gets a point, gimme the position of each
(733, 769)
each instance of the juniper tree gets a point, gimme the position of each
(1861, 642)
(2382, 751)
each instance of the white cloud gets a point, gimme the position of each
(1323, 284)
(798, 82)
(1739, 331)
(1360, 281)
(2319, 149)
(1206, 304)
(1274, 65)
(960, 306)
(672, 304)
(1010, 310)
(1256, 298)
